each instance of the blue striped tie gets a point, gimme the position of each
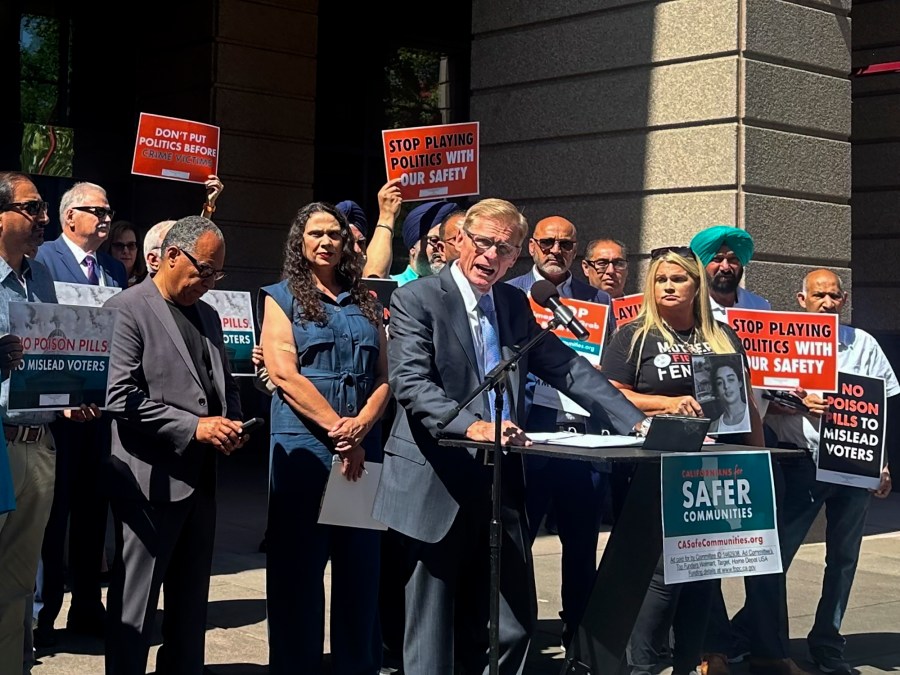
(490, 345)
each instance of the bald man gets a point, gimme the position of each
(573, 487)
(449, 227)
(845, 506)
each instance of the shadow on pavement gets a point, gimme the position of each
(235, 613)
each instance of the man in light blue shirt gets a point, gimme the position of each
(32, 452)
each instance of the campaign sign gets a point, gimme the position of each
(718, 515)
(168, 147)
(788, 350)
(851, 433)
(627, 307)
(433, 162)
(85, 295)
(66, 359)
(593, 317)
(235, 310)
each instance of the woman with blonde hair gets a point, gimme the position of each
(649, 360)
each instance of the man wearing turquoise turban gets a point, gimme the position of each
(724, 252)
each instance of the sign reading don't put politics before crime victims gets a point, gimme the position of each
(433, 162)
(176, 149)
(66, 362)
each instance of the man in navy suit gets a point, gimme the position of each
(574, 487)
(447, 330)
(85, 216)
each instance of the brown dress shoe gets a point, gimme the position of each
(775, 667)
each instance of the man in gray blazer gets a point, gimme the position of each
(446, 332)
(175, 406)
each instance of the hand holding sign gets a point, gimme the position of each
(11, 354)
(884, 488)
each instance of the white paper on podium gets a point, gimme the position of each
(349, 503)
(584, 440)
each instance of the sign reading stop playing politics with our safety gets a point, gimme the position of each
(433, 162)
(788, 350)
(176, 149)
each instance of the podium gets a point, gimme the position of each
(630, 556)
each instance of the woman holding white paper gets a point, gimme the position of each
(326, 353)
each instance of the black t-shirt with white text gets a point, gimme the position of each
(664, 370)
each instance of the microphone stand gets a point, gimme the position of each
(496, 380)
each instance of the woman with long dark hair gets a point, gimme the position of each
(326, 353)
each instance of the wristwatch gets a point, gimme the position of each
(644, 427)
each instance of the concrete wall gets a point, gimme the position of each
(876, 168)
(648, 121)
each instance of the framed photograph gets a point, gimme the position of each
(721, 389)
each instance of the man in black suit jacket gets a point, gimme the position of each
(440, 497)
(175, 406)
(78, 501)
(574, 488)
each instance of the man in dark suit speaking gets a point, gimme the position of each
(446, 332)
(175, 406)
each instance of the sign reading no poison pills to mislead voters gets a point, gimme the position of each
(66, 359)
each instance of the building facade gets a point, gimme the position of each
(641, 120)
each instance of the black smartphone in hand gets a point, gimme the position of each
(251, 424)
(786, 399)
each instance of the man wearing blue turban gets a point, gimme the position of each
(359, 226)
(421, 235)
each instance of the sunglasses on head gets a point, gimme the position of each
(683, 251)
(33, 208)
(547, 243)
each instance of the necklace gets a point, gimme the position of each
(686, 336)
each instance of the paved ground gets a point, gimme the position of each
(236, 638)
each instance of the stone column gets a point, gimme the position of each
(648, 121)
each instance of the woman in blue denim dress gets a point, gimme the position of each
(326, 354)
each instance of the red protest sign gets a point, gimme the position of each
(627, 307)
(592, 316)
(788, 349)
(433, 162)
(176, 149)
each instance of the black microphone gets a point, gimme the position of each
(545, 294)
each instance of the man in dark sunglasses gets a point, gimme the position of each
(29, 444)
(85, 217)
(573, 488)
